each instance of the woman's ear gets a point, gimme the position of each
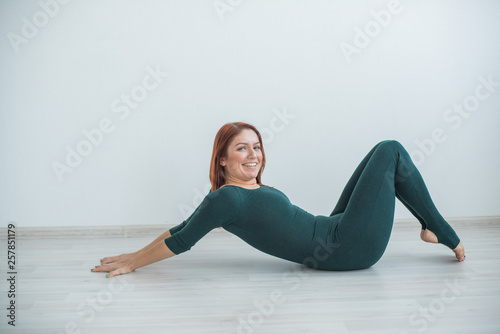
(223, 161)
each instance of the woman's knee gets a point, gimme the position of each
(390, 150)
(390, 146)
(391, 143)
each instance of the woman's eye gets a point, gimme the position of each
(244, 148)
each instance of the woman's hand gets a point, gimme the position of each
(127, 263)
(114, 268)
(118, 259)
(115, 265)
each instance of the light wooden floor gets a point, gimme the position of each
(224, 286)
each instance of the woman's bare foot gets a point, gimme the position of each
(460, 252)
(429, 236)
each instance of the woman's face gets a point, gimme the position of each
(243, 158)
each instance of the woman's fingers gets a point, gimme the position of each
(118, 258)
(109, 259)
(119, 271)
(97, 269)
(114, 265)
(105, 267)
(112, 273)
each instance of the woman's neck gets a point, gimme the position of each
(252, 184)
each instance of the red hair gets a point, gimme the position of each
(222, 140)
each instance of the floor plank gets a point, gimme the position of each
(224, 286)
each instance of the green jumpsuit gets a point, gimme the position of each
(353, 236)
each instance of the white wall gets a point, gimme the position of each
(248, 61)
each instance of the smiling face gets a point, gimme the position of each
(243, 159)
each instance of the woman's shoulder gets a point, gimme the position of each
(220, 200)
(225, 193)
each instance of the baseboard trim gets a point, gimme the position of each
(454, 221)
(138, 231)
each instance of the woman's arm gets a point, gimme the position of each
(127, 257)
(159, 251)
(217, 209)
(161, 238)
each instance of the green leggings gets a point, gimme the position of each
(366, 207)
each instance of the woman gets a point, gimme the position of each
(353, 236)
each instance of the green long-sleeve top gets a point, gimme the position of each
(265, 219)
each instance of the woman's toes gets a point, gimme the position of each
(460, 252)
